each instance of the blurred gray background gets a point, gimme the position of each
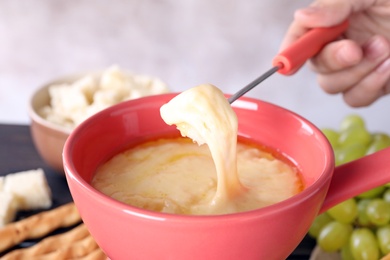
(185, 43)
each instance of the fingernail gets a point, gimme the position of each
(384, 66)
(376, 48)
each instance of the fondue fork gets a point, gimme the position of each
(293, 57)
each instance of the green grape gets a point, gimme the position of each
(332, 136)
(383, 236)
(344, 212)
(359, 228)
(319, 222)
(381, 137)
(350, 153)
(346, 253)
(363, 244)
(351, 121)
(379, 142)
(362, 218)
(378, 211)
(373, 193)
(355, 135)
(333, 236)
(337, 156)
(386, 196)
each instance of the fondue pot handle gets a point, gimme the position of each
(356, 177)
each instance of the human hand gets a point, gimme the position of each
(358, 64)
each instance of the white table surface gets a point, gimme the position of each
(185, 43)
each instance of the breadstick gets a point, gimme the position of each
(96, 254)
(75, 250)
(38, 225)
(49, 244)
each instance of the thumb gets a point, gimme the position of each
(324, 13)
(321, 13)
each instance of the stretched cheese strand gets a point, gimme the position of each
(204, 115)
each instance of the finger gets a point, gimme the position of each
(373, 86)
(324, 13)
(336, 56)
(386, 89)
(316, 15)
(375, 51)
(294, 32)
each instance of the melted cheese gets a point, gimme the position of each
(178, 176)
(204, 115)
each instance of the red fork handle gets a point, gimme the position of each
(307, 46)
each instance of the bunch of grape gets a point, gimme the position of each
(359, 228)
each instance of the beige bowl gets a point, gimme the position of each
(48, 137)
